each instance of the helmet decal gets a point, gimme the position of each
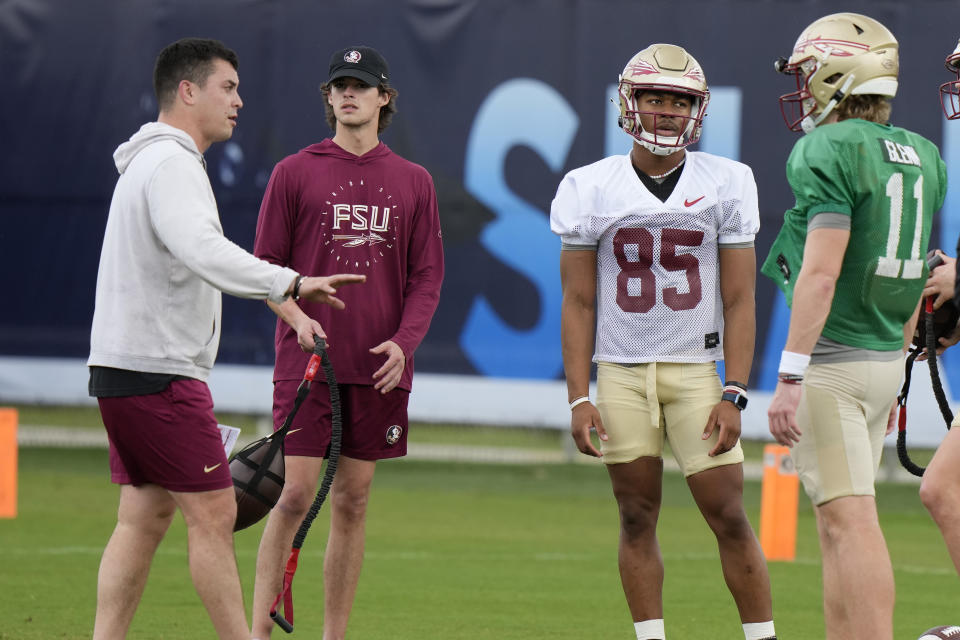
(829, 46)
(641, 68)
(695, 74)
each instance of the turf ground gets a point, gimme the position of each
(453, 551)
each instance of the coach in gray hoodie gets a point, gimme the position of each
(156, 329)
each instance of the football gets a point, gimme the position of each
(257, 471)
(951, 632)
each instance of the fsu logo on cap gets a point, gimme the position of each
(351, 56)
(393, 434)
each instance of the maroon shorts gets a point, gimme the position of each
(374, 424)
(169, 439)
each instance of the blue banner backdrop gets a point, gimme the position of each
(498, 99)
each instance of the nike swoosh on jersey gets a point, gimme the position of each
(207, 469)
(690, 203)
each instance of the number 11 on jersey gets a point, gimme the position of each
(889, 265)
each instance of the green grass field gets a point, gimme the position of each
(453, 551)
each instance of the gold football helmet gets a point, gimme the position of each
(838, 55)
(950, 91)
(668, 68)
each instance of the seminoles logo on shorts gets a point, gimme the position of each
(351, 56)
(393, 434)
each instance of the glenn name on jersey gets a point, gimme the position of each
(658, 287)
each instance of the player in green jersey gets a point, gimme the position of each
(850, 259)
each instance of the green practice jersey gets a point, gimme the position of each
(889, 181)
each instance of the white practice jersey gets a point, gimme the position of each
(658, 284)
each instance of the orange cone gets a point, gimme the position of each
(8, 463)
(778, 504)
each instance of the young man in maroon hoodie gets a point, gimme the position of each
(351, 201)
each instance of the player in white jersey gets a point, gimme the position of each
(658, 254)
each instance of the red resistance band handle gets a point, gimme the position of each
(312, 367)
(286, 622)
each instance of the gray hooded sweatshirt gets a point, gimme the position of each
(165, 261)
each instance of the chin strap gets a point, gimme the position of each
(810, 123)
(656, 149)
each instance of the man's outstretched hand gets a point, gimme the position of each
(323, 288)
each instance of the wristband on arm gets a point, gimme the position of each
(794, 364)
(296, 287)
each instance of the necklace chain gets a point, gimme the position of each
(666, 173)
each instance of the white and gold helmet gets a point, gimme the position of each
(837, 56)
(950, 91)
(668, 68)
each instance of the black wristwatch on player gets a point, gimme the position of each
(736, 394)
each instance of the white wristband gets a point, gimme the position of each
(794, 364)
(579, 400)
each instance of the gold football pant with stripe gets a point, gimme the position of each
(843, 416)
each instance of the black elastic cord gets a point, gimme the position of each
(902, 453)
(336, 438)
(935, 371)
(942, 403)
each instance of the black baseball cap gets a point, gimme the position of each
(363, 63)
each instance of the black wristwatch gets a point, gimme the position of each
(738, 399)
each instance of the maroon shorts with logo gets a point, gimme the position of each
(374, 424)
(169, 439)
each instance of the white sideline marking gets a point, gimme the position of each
(29, 435)
(419, 556)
